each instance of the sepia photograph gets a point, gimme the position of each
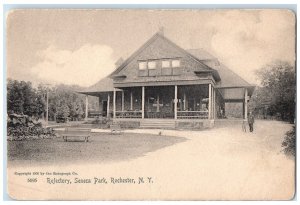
(151, 104)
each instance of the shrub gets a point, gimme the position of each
(20, 127)
(100, 122)
(129, 124)
(289, 142)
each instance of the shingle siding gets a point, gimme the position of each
(159, 50)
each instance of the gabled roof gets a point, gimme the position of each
(229, 79)
(157, 35)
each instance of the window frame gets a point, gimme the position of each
(149, 63)
(145, 65)
(162, 63)
(177, 60)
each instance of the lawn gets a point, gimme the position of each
(102, 147)
(223, 163)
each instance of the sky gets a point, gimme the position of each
(81, 46)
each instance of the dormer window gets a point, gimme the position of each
(142, 65)
(175, 63)
(158, 67)
(151, 64)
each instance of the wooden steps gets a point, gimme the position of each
(157, 123)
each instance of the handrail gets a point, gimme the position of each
(203, 114)
(180, 114)
(129, 114)
(129, 111)
(192, 111)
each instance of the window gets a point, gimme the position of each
(142, 65)
(158, 67)
(151, 65)
(175, 63)
(165, 64)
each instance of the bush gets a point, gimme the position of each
(289, 142)
(20, 127)
(100, 122)
(129, 124)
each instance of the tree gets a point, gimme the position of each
(15, 100)
(64, 101)
(278, 82)
(63, 111)
(23, 99)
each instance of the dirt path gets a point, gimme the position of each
(222, 163)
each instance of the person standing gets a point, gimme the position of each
(251, 121)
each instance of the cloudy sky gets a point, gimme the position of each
(82, 46)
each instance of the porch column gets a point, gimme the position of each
(108, 102)
(100, 104)
(212, 103)
(47, 107)
(131, 100)
(215, 96)
(114, 103)
(86, 108)
(143, 101)
(184, 101)
(175, 103)
(246, 104)
(122, 100)
(157, 108)
(209, 101)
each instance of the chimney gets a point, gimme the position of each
(161, 31)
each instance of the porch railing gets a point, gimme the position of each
(129, 114)
(192, 114)
(160, 115)
(180, 114)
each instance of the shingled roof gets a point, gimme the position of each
(201, 54)
(104, 85)
(229, 79)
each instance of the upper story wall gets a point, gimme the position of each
(159, 52)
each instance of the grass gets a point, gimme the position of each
(102, 147)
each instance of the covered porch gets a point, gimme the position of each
(170, 102)
(160, 102)
(182, 105)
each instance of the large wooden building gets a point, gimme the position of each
(162, 84)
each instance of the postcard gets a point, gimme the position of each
(151, 104)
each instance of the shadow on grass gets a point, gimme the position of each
(102, 148)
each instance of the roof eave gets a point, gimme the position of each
(215, 74)
(250, 88)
